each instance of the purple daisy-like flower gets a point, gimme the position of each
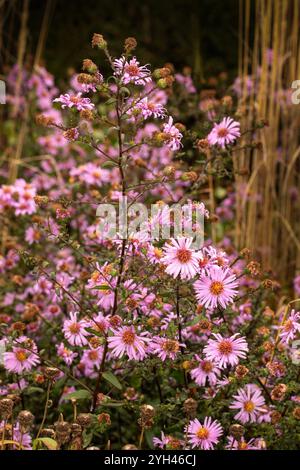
(226, 351)
(217, 287)
(224, 133)
(204, 435)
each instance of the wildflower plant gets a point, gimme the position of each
(136, 340)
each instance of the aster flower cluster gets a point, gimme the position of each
(147, 330)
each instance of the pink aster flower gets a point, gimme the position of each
(226, 351)
(204, 435)
(180, 258)
(217, 287)
(172, 135)
(74, 330)
(233, 444)
(250, 403)
(148, 109)
(224, 133)
(21, 358)
(68, 101)
(291, 326)
(205, 371)
(66, 354)
(165, 348)
(131, 71)
(126, 341)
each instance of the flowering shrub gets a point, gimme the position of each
(136, 341)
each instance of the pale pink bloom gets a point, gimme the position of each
(297, 284)
(148, 109)
(92, 357)
(32, 235)
(186, 81)
(126, 341)
(131, 71)
(224, 133)
(206, 370)
(77, 101)
(250, 403)
(172, 135)
(21, 358)
(217, 287)
(162, 442)
(290, 327)
(180, 258)
(66, 354)
(75, 330)
(204, 435)
(241, 444)
(226, 351)
(165, 348)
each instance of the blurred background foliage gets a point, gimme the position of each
(184, 32)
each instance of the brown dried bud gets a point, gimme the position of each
(99, 41)
(25, 419)
(146, 416)
(41, 200)
(161, 73)
(277, 369)
(85, 78)
(189, 176)
(76, 429)
(89, 66)
(84, 419)
(296, 412)
(51, 373)
(6, 407)
(129, 447)
(45, 121)
(30, 311)
(202, 144)
(275, 417)
(268, 284)
(63, 431)
(18, 326)
(278, 392)
(169, 171)
(241, 371)
(71, 134)
(187, 365)
(245, 253)
(115, 321)
(104, 418)
(254, 268)
(47, 432)
(130, 44)
(87, 115)
(237, 431)
(227, 101)
(190, 407)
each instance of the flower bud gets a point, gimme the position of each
(84, 419)
(89, 66)
(130, 44)
(190, 407)
(236, 430)
(99, 41)
(6, 407)
(25, 419)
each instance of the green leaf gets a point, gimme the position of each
(109, 164)
(51, 444)
(94, 332)
(78, 395)
(112, 379)
(32, 390)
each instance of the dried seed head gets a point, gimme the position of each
(296, 412)
(6, 407)
(278, 392)
(161, 73)
(63, 431)
(147, 411)
(241, 371)
(254, 268)
(130, 44)
(84, 419)
(277, 369)
(87, 115)
(45, 121)
(237, 431)
(89, 66)
(190, 407)
(76, 429)
(51, 373)
(47, 432)
(275, 417)
(129, 447)
(99, 41)
(104, 418)
(25, 419)
(245, 253)
(71, 134)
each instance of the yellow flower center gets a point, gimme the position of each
(21, 355)
(74, 328)
(223, 132)
(206, 366)
(249, 406)
(128, 337)
(225, 347)
(216, 288)
(184, 255)
(170, 346)
(202, 433)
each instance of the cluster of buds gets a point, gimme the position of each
(147, 413)
(164, 77)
